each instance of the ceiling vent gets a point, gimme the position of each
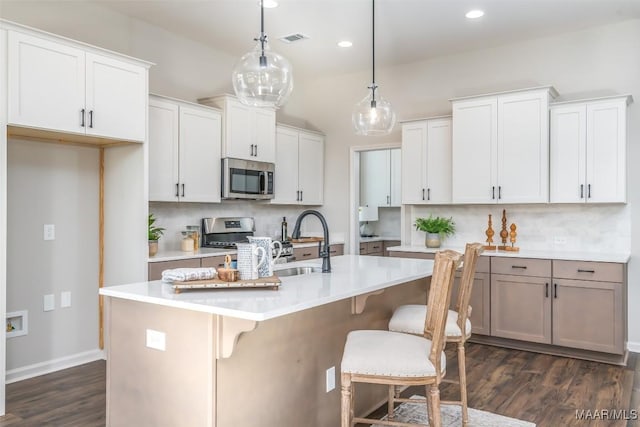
(293, 38)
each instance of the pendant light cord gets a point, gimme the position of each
(373, 86)
(263, 36)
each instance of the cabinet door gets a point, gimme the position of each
(523, 148)
(199, 155)
(474, 151)
(286, 172)
(46, 84)
(480, 302)
(156, 268)
(567, 157)
(116, 98)
(311, 168)
(264, 134)
(588, 315)
(606, 152)
(301, 254)
(438, 161)
(237, 131)
(375, 177)
(414, 140)
(521, 308)
(163, 151)
(396, 177)
(336, 250)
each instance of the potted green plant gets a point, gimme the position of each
(154, 235)
(437, 228)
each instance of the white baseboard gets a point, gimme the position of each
(49, 366)
(633, 347)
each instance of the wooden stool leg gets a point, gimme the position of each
(433, 405)
(347, 401)
(462, 371)
(390, 403)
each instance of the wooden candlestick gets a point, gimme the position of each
(504, 233)
(489, 246)
(512, 239)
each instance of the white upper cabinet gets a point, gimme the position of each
(396, 177)
(588, 151)
(426, 161)
(500, 148)
(65, 88)
(184, 151)
(247, 132)
(299, 170)
(380, 177)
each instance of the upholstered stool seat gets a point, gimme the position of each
(410, 320)
(389, 354)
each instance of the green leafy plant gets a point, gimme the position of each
(437, 224)
(154, 232)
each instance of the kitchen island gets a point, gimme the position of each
(249, 357)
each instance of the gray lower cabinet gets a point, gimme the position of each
(335, 250)
(156, 268)
(388, 244)
(372, 248)
(214, 261)
(311, 252)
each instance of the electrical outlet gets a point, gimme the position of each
(65, 299)
(49, 302)
(156, 340)
(49, 232)
(331, 378)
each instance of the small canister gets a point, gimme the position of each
(187, 242)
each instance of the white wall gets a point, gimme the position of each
(52, 184)
(598, 61)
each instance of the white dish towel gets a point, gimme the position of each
(189, 274)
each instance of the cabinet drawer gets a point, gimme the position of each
(363, 248)
(374, 247)
(215, 261)
(300, 254)
(521, 266)
(585, 270)
(156, 268)
(335, 250)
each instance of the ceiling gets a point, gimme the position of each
(406, 30)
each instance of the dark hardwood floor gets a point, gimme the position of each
(546, 390)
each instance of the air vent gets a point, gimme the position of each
(293, 38)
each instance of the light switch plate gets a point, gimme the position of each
(156, 340)
(65, 299)
(49, 302)
(49, 232)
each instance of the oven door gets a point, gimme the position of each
(244, 179)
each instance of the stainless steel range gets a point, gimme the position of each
(224, 233)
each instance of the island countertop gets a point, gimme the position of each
(351, 275)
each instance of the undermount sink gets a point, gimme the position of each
(296, 271)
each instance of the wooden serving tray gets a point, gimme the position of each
(272, 282)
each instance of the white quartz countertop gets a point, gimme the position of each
(351, 275)
(209, 252)
(621, 257)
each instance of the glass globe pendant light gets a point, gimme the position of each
(262, 78)
(374, 114)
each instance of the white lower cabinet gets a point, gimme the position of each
(299, 172)
(184, 151)
(588, 151)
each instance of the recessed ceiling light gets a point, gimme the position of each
(474, 14)
(270, 4)
(345, 43)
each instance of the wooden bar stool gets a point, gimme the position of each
(398, 359)
(409, 319)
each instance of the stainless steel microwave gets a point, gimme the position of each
(246, 179)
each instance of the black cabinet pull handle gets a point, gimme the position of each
(493, 192)
(91, 118)
(499, 192)
(301, 196)
(388, 202)
(251, 154)
(524, 267)
(423, 194)
(555, 290)
(182, 190)
(582, 191)
(546, 290)
(589, 191)
(177, 189)
(82, 118)
(585, 271)
(256, 149)
(306, 254)
(428, 194)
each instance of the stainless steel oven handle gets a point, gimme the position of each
(263, 182)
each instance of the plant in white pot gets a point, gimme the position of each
(437, 228)
(154, 235)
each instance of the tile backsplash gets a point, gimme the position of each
(580, 227)
(174, 217)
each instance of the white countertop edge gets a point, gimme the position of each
(378, 239)
(617, 257)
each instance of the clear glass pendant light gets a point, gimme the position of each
(374, 114)
(262, 78)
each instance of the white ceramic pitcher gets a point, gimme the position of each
(266, 270)
(250, 258)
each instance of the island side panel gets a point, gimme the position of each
(149, 387)
(276, 374)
